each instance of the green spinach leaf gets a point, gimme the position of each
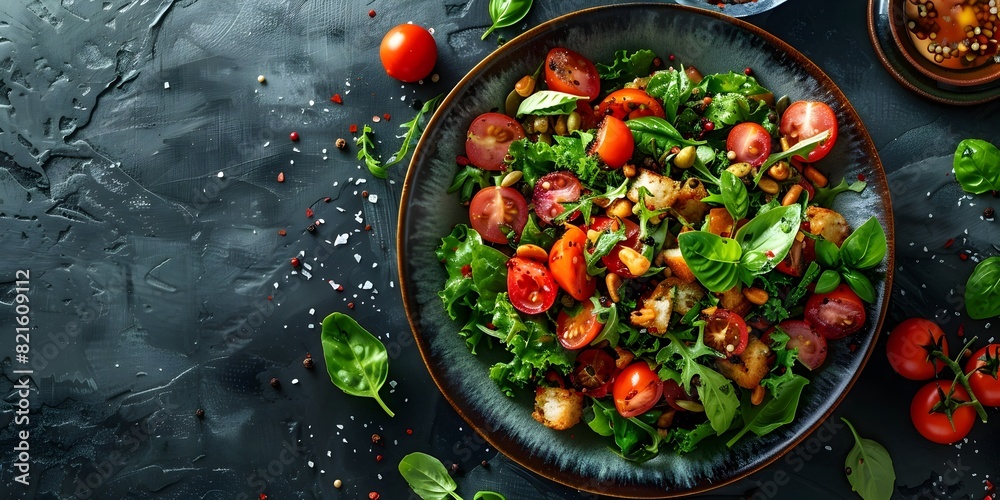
(982, 291)
(869, 468)
(356, 361)
(977, 166)
(865, 247)
(673, 87)
(625, 68)
(427, 477)
(505, 13)
(548, 102)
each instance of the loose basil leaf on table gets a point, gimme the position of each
(548, 102)
(977, 166)
(427, 476)
(505, 13)
(356, 361)
(488, 495)
(982, 291)
(865, 247)
(869, 468)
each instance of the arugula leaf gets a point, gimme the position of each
(634, 439)
(977, 166)
(982, 290)
(796, 294)
(715, 391)
(686, 440)
(824, 196)
(366, 149)
(605, 243)
(672, 87)
(801, 148)
(548, 102)
(625, 68)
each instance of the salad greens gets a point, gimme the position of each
(636, 308)
(366, 147)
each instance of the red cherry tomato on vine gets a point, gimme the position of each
(489, 138)
(580, 328)
(751, 143)
(494, 209)
(614, 143)
(630, 103)
(984, 381)
(805, 119)
(530, 286)
(569, 266)
(836, 314)
(909, 348)
(408, 52)
(569, 72)
(637, 388)
(936, 426)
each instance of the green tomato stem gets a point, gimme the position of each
(961, 378)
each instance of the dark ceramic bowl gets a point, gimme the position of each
(580, 458)
(979, 76)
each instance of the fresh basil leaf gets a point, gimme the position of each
(865, 247)
(828, 281)
(766, 239)
(719, 398)
(859, 283)
(714, 260)
(505, 13)
(977, 166)
(827, 253)
(655, 136)
(801, 148)
(869, 468)
(488, 495)
(427, 477)
(672, 87)
(625, 68)
(824, 196)
(777, 409)
(548, 102)
(732, 82)
(982, 291)
(734, 195)
(356, 361)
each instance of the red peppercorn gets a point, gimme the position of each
(462, 160)
(671, 58)
(309, 213)
(368, 227)
(282, 232)
(409, 432)
(281, 177)
(354, 128)
(949, 243)
(371, 13)
(378, 458)
(747, 71)
(294, 136)
(861, 177)
(350, 305)
(373, 495)
(364, 194)
(709, 126)
(963, 257)
(387, 116)
(327, 199)
(340, 288)
(336, 99)
(295, 262)
(961, 330)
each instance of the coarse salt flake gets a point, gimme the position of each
(372, 197)
(357, 257)
(166, 85)
(221, 175)
(341, 239)
(367, 286)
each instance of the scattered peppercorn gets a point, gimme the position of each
(294, 136)
(484, 463)
(327, 199)
(281, 177)
(341, 143)
(949, 243)
(861, 177)
(261, 79)
(309, 213)
(311, 228)
(199, 413)
(387, 116)
(671, 58)
(747, 71)
(282, 232)
(416, 104)
(364, 194)
(378, 458)
(353, 128)
(368, 227)
(340, 288)
(307, 363)
(376, 439)
(295, 262)
(454, 468)
(409, 432)
(373, 495)
(657, 62)
(350, 305)
(963, 257)
(275, 382)
(988, 213)
(371, 13)
(462, 160)
(336, 99)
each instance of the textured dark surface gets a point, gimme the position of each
(158, 287)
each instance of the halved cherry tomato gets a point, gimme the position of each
(611, 261)
(983, 380)
(489, 138)
(804, 119)
(630, 103)
(909, 348)
(726, 332)
(751, 143)
(936, 426)
(569, 72)
(637, 388)
(614, 143)
(569, 266)
(408, 52)
(530, 286)
(673, 392)
(811, 346)
(580, 328)
(494, 208)
(553, 189)
(836, 314)
(594, 372)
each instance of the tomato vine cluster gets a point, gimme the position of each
(658, 243)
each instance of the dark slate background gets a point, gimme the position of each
(159, 286)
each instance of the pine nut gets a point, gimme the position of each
(768, 186)
(779, 171)
(757, 396)
(741, 169)
(642, 317)
(756, 295)
(525, 86)
(511, 178)
(532, 252)
(636, 262)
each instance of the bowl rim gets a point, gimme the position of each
(411, 307)
(971, 77)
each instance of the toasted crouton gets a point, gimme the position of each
(685, 295)
(734, 300)
(688, 203)
(557, 408)
(750, 367)
(828, 223)
(655, 311)
(663, 191)
(678, 266)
